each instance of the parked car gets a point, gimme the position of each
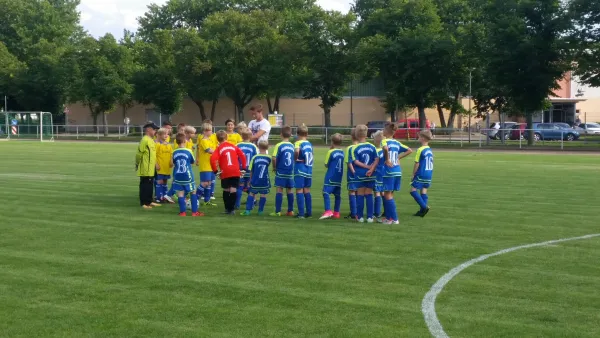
(409, 128)
(374, 126)
(496, 127)
(552, 131)
(517, 131)
(589, 128)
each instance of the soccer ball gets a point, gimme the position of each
(188, 204)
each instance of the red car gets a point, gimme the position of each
(517, 132)
(409, 128)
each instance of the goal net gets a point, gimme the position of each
(26, 126)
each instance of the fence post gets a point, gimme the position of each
(562, 140)
(77, 132)
(461, 137)
(37, 132)
(97, 133)
(479, 140)
(119, 131)
(326, 138)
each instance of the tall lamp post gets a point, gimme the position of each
(470, 98)
(351, 107)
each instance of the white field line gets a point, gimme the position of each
(428, 304)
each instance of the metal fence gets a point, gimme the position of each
(484, 138)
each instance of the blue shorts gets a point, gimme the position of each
(284, 182)
(366, 184)
(301, 182)
(187, 188)
(392, 183)
(161, 177)
(378, 187)
(207, 176)
(331, 189)
(420, 185)
(352, 186)
(260, 191)
(244, 181)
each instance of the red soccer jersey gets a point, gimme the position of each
(229, 158)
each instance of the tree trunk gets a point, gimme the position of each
(276, 104)
(422, 116)
(200, 105)
(240, 111)
(269, 105)
(105, 121)
(124, 110)
(327, 112)
(213, 109)
(440, 110)
(530, 140)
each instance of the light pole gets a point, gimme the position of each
(351, 108)
(470, 97)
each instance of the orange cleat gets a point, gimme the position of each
(182, 214)
(290, 214)
(197, 214)
(336, 215)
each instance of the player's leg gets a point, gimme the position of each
(249, 204)
(212, 188)
(193, 201)
(360, 203)
(377, 207)
(240, 191)
(299, 185)
(369, 201)
(327, 202)
(352, 201)
(278, 196)
(233, 195)
(424, 196)
(144, 200)
(337, 193)
(290, 197)
(417, 197)
(226, 194)
(158, 189)
(262, 203)
(180, 200)
(308, 196)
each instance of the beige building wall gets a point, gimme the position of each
(589, 110)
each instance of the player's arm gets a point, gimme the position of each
(373, 166)
(197, 161)
(386, 153)
(416, 167)
(258, 134)
(142, 149)
(242, 157)
(274, 157)
(407, 151)
(214, 159)
(296, 151)
(327, 157)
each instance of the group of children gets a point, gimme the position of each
(373, 171)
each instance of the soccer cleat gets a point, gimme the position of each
(360, 220)
(168, 199)
(157, 200)
(381, 220)
(209, 204)
(388, 222)
(275, 214)
(418, 213)
(212, 197)
(424, 212)
(369, 220)
(327, 214)
(290, 214)
(197, 214)
(146, 207)
(260, 213)
(246, 213)
(395, 222)
(336, 215)
(182, 214)
(299, 217)
(155, 204)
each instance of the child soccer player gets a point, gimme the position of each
(283, 166)
(334, 162)
(260, 183)
(164, 154)
(304, 158)
(183, 176)
(213, 138)
(250, 150)
(393, 152)
(189, 132)
(365, 160)
(378, 191)
(232, 137)
(351, 183)
(422, 173)
(229, 159)
(204, 151)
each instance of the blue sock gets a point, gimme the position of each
(300, 201)
(360, 206)
(418, 199)
(250, 203)
(194, 202)
(425, 198)
(181, 201)
(157, 190)
(338, 203)
(308, 202)
(199, 192)
(377, 206)
(171, 191)
(261, 204)
(387, 209)
(369, 201)
(352, 201)
(278, 201)
(207, 194)
(212, 187)
(326, 201)
(290, 199)
(393, 211)
(164, 189)
(238, 197)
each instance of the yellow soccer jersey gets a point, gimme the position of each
(168, 138)
(204, 145)
(234, 138)
(213, 138)
(164, 152)
(188, 144)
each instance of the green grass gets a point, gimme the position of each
(78, 256)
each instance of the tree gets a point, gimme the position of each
(585, 40)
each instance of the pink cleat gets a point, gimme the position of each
(336, 215)
(327, 214)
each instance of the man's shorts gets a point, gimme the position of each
(161, 177)
(420, 185)
(301, 182)
(187, 188)
(207, 176)
(392, 183)
(260, 191)
(230, 182)
(333, 190)
(284, 182)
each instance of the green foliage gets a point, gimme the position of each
(585, 40)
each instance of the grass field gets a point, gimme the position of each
(78, 256)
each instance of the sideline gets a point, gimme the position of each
(428, 304)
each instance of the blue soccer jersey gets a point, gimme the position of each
(334, 162)
(365, 153)
(424, 157)
(394, 149)
(259, 170)
(284, 159)
(250, 150)
(183, 174)
(380, 167)
(304, 163)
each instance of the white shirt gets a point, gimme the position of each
(256, 126)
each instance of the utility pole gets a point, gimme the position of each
(351, 99)
(470, 98)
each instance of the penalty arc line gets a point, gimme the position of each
(428, 304)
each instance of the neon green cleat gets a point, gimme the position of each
(275, 214)
(245, 213)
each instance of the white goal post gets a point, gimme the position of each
(27, 125)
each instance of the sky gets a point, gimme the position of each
(112, 16)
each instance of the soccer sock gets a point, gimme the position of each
(378, 205)
(425, 199)
(199, 192)
(181, 201)
(278, 201)
(300, 201)
(207, 194)
(226, 196)
(308, 202)
(171, 191)
(232, 200)
(212, 187)
(250, 203)
(290, 199)
(261, 204)
(338, 203)
(418, 199)
(238, 196)
(393, 211)
(157, 190)
(369, 201)
(387, 209)
(164, 189)
(352, 200)
(194, 201)
(360, 206)
(326, 201)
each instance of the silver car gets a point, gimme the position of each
(589, 128)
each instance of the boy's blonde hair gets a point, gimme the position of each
(337, 139)
(162, 131)
(221, 136)
(189, 130)
(353, 134)
(263, 145)
(426, 134)
(389, 129)
(241, 125)
(302, 130)
(180, 138)
(246, 134)
(206, 127)
(361, 131)
(378, 135)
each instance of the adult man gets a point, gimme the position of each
(145, 165)
(260, 127)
